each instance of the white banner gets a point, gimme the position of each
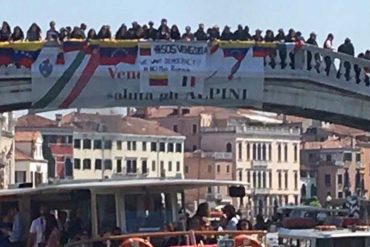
(172, 56)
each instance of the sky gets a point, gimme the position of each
(343, 18)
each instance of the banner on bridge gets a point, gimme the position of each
(129, 73)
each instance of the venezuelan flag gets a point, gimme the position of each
(115, 52)
(237, 50)
(74, 45)
(264, 49)
(25, 58)
(6, 56)
(145, 49)
(158, 80)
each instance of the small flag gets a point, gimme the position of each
(263, 51)
(158, 81)
(60, 58)
(186, 79)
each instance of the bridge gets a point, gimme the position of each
(306, 81)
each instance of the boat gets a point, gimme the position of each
(142, 207)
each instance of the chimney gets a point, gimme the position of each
(58, 119)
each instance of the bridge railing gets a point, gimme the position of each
(311, 62)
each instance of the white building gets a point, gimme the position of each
(30, 165)
(109, 145)
(266, 157)
(6, 148)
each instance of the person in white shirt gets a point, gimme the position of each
(37, 229)
(328, 45)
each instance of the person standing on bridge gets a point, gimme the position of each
(312, 41)
(328, 45)
(34, 33)
(346, 48)
(52, 34)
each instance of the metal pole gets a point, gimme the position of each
(102, 157)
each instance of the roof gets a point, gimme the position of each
(129, 184)
(27, 136)
(85, 122)
(343, 130)
(33, 120)
(22, 156)
(216, 112)
(313, 233)
(340, 143)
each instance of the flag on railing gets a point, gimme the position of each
(6, 56)
(158, 80)
(264, 50)
(145, 49)
(25, 58)
(188, 81)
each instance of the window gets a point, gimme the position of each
(143, 146)
(328, 157)
(97, 144)
(131, 166)
(286, 152)
(108, 164)
(358, 157)
(254, 180)
(195, 147)
(77, 143)
(98, 164)
(86, 164)
(186, 169)
(134, 145)
(254, 151)
(170, 147)
(248, 176)
(178, 166)
(170, 166)
(178, 147)
(87, 144)
(119, 165)
(129, 145)
(340, 194)
(286, 180)
(240, 175)
(311, 157)
(144, 167)
(258, 180)
(347, 157)
(162, 165)
(295, 153)
(153, 165)
(194, 129)
(77, 163)
(153, 146)
(162, 147)
(270, 179)
(209, 168)
(279, 152)
(218, 168)
(108, 144)
(327, 180)
(270, 152)
(258, 151)
(295, 180)
(295, 200)
(20, 176)
(229, 148)
(228, 169)
(68, 167)
(248, 151)
(174, 128)
(119, 145)
(240, 151)
(264, 152)
(263, 180)
(340, 179)
(279, 179)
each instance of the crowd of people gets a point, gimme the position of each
(165, 32)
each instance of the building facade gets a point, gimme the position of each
(111, 146)
(57, 142)
(208, 165)
(266, 157)
(6, 149)
(30, 165)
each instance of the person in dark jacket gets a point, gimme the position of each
(200, 34)
(151, 32)
(258, 36)
(163, 34)
(34, 33)
(77, 33)
(17, 34)
(239, 34)
(269, 37)
(188, 35)
(248, 36)
(122, 32)
(280, 36)
(226, 34)
(175, 33)
(105, 32)
(291, 37)
(312, 41)
(5, 32)
(214, 33)
(91, 34)
(346, 48)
